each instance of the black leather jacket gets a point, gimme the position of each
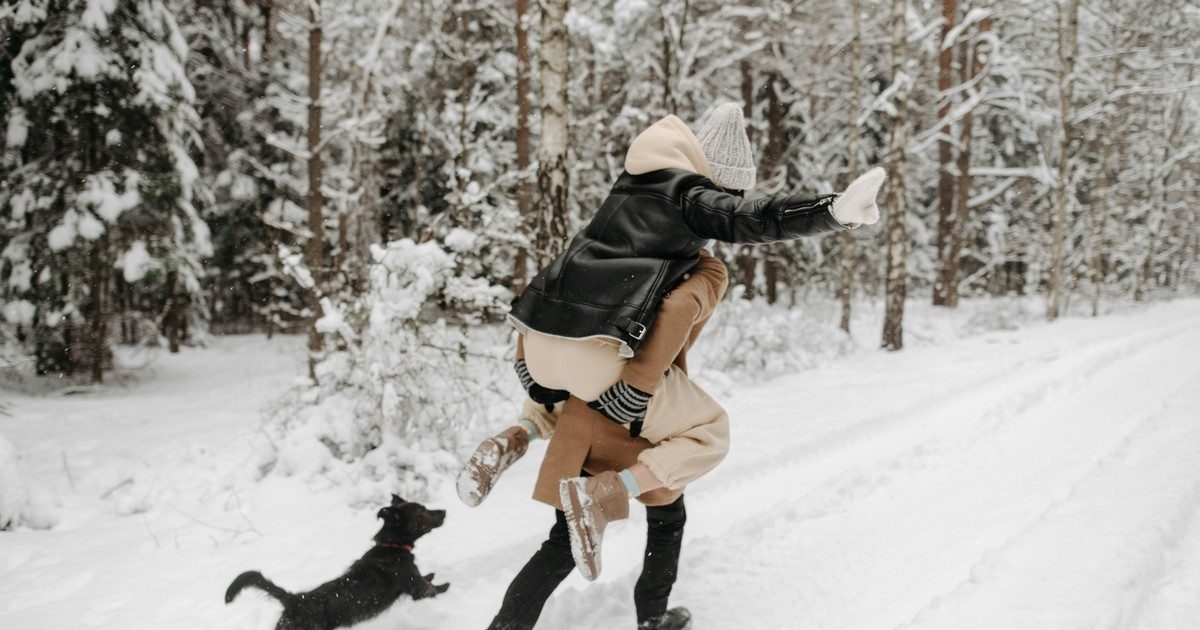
(645, 238)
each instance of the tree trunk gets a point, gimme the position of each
(174, 317)
(972, 66)
(942, 287)
(1068, 31)
(524, 192)
(268, 13)
(770, 276)
(773, 152)
(748, 96)
(99, 311)
(553, 176)
(744, 259)
(1099, 215)
(747, 267)
(846, 277)
(669, 104)
(770, 166)
(314, 247)
(896, 282)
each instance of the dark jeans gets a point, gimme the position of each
(553, 563)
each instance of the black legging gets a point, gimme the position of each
(551, 564)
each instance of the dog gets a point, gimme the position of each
(370, 586)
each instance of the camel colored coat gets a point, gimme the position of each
(686, 433)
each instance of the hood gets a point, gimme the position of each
(667, 143)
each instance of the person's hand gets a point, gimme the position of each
(540, 395)
(856, 205)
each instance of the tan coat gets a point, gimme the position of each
(686, 433)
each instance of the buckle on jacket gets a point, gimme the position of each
(634, 329)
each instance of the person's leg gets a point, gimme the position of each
(660, 567)
(689, 430)
(639, 480)
(690, 436)
(534, 584)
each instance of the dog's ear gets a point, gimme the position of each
(396, 500)
(381, 513)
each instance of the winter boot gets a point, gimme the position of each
(590, 504)
(491, 459)
(674, 619)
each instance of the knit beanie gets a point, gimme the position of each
(727, 147)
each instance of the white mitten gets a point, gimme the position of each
(856, 205)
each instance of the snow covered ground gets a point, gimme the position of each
(1047, 477)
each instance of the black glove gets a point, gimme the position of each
(540, 395)
(624, 404)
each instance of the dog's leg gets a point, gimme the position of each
(431, 590)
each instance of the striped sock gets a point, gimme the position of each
(623, 403)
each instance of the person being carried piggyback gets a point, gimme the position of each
(606, 328)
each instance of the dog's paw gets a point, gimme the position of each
(442, 588)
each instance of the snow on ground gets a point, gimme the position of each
(1037, 478)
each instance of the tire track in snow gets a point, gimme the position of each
(1019, 390)
(1035, 386)
(782, 562)
(1173, 601)
(1009, 393)
(1111, 548)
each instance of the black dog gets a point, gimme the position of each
(371, 585)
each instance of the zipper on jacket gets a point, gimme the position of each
(809, 207)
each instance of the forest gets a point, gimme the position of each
(383, 176)
(257, 259)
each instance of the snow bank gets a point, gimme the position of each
(20, 505)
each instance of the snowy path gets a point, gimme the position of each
(1041, 478)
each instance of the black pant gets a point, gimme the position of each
(553, 563)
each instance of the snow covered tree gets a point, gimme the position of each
(98, 179)
(232, 63)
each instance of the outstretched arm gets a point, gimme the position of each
(711, 213)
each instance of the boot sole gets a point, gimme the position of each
(478, 476)
(570, 493)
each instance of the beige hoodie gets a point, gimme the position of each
(667, 143)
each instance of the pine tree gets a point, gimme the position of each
(99, 178)
(232, 63)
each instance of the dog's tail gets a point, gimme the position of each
(256, 579)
